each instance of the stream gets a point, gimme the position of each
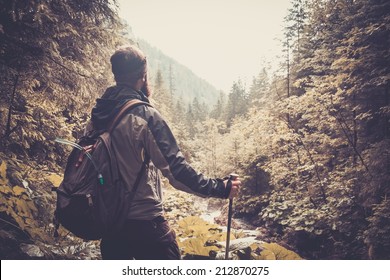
(212, 212)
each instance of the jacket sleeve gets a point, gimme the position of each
(165, 154)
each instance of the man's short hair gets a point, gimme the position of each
(128, 64)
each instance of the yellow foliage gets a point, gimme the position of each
(25, 208)
(195, 232)
(55, 179)
(3, 173)
(267, 255)
(273, 251)
(19, 220)
(3, 207)
(4, 189)
(196, 246)
(198, 237)
(220, 236)
(18, 191)
(195, 226)
(16, 203)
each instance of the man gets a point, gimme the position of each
(141, 133)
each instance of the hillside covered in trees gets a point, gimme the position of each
(311, 141)
(179, 81)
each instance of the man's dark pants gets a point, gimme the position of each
(142, 240)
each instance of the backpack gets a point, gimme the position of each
(92, 200)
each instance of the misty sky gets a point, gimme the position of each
(219, 40)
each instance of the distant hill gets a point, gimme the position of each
(186, 84)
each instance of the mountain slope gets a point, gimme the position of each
(186, 84)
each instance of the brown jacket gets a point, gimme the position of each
(143, 130)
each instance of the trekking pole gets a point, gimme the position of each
(232, 177)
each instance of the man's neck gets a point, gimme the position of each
(126, 84)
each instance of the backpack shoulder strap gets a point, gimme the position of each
(125, 108)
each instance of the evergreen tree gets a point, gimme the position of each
(162, 97)
(172, 87)
(54, 63)
(259, 89)
(218, 112)
(296, 20)
(321, 149)
(199, 111)
(49, 68)
(237, 104)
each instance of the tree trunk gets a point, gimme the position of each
(355, 133)
(11, 104)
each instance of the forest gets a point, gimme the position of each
(310, 141)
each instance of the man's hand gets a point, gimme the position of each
(236, 184)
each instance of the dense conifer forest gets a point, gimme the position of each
(311, 141)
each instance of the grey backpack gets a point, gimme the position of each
(92, 200)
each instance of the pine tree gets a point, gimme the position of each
(324, 142)
(172, 88)
(219, 110)
(259, 89)
(237, 104)
(162, 97)
(49, 66)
